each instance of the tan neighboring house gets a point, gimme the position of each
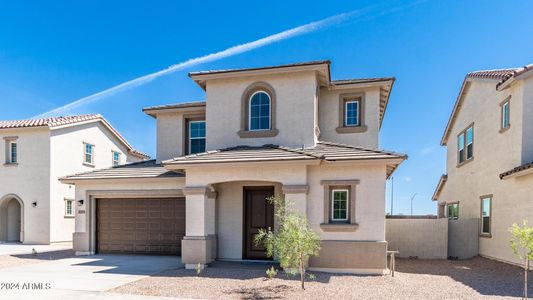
(35, 208)
(283, 130)
(489, 138)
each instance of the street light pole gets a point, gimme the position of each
(412, 197)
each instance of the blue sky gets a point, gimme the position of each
(56, 52)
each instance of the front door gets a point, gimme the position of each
(258, 214)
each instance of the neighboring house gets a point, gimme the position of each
(283, 130)
(489, 138)
(35, 208)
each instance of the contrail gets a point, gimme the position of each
(238, 49)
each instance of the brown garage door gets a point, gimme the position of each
(140, 226)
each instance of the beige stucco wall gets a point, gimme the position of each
(169, 136)
(29, 180)
(66, 155)
(329, 117)
(494, 153)
(527, 125)
(370, 197)
(423, 238)
(295, 113)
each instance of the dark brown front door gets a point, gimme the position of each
(140, 226)
(258, 214)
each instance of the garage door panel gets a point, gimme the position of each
(140, 226)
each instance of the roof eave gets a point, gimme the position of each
(201, 78)
(457, 106)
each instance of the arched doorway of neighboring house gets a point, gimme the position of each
(11, 219)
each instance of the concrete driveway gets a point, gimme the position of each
(88, 274)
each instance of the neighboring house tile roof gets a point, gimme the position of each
(517, 170)
(325, 151)
(50, 122)
(142, 169)
(504, 78)
(54, 122)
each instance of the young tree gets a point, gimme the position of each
(293, 243)
(522, 245)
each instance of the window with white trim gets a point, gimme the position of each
(196, 136)
(453, 211)
(351, 113)
(13, 154)
(88, 153)
(69, 208)
(465, 145)
(505, 115)
(486, 207)
(339, 205)
(259, 111)
(116, 158)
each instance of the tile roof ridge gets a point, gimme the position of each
(296, 150)
(362, 148)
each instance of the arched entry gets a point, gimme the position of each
(11, 219)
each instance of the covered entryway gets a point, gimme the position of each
(140, 226)
(11, 218)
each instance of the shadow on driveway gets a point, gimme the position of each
(130, 264)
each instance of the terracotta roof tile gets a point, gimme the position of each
(516, 170)
(144, 169)
(50, 122)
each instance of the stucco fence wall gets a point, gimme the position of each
(421, 237)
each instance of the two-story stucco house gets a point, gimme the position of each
(283, 130)
(35, 208)
(489, 140)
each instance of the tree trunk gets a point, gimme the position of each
(302, 271)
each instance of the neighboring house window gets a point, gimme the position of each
(196, 137)
(351, 113)
(13, 152)
(88, 156)
(453, 211)
(465, 145)
(69, 208)
(505, 114)
(259, 111)
(339, 205)
(116, 158)
(486, 215)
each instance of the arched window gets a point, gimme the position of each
(259, 111)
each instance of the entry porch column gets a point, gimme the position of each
(199, 243)
(296, 198)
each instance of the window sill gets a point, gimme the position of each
(245, 134)
(11, 164)
(485, 235)
(351, 129)
(69, 217)
(339, 227)
(502, 130)
(88, 165)
(465, 162)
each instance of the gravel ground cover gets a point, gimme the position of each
(478, 278)
(7, 261)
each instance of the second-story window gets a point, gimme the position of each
(196, 137)
(465, 145)
(259, 111)
(116, 158)
(351, 113)
(13, 152)
(88, 153)
(505, 115)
